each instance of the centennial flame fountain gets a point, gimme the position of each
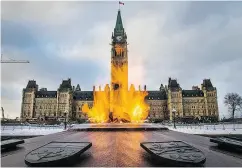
(118, 103)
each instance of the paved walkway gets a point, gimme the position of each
(121, 148)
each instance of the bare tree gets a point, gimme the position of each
(233, 101)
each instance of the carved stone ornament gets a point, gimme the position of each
(56, 153)
(175, 152)
(222, 141)
(11, 143)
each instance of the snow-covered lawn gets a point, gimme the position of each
(208, 129)
(29, 130)
(190, 129)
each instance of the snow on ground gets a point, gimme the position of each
(190, 129)
(29, 130)
(208, 129)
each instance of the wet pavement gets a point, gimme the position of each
(121, 148)
(118, 127)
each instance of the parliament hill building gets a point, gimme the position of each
(67, 100)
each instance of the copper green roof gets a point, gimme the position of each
(66, 84)
(46, 94)
(192, 93)
(156, 95)
(119, 29)
(208, 85)
(83, 95)
(32, 84)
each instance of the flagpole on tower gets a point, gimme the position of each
(120, 3)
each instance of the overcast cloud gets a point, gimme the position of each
(189, 41)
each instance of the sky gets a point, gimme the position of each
(188, 41)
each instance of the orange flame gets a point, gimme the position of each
(122, 103)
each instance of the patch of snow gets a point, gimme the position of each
(208, 129)
(29, 130)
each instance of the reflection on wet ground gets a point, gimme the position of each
(122, 148)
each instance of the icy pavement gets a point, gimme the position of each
(29, 130)
(220, 129)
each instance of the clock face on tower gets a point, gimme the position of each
(119, 38)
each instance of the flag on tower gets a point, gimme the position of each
(121, 3)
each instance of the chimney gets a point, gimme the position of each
(145, 88)
(94, 88)
(100, 88)
(139, 87)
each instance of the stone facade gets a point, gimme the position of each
(42, 104)
(197, 102)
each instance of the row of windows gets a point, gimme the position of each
(27, 95)
(211, 94)
(158, 108)
(211, 106)
(63, 95)
(41, 101)
(27, 113)
(194, 111)
(175, 95)
(151, 98)
(46, 113)
(199, 112)
(27, 107)
(155, 116)
(194, 101)
(154, 103)
(42, 96)
(194, 107)
(46, 107)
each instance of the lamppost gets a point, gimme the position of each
(174, 117)
(65, 119)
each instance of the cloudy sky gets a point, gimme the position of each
(189, 41)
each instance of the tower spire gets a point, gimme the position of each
(119, 24)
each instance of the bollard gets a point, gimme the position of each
(214, 127)
(223, 127)
(234, 127)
